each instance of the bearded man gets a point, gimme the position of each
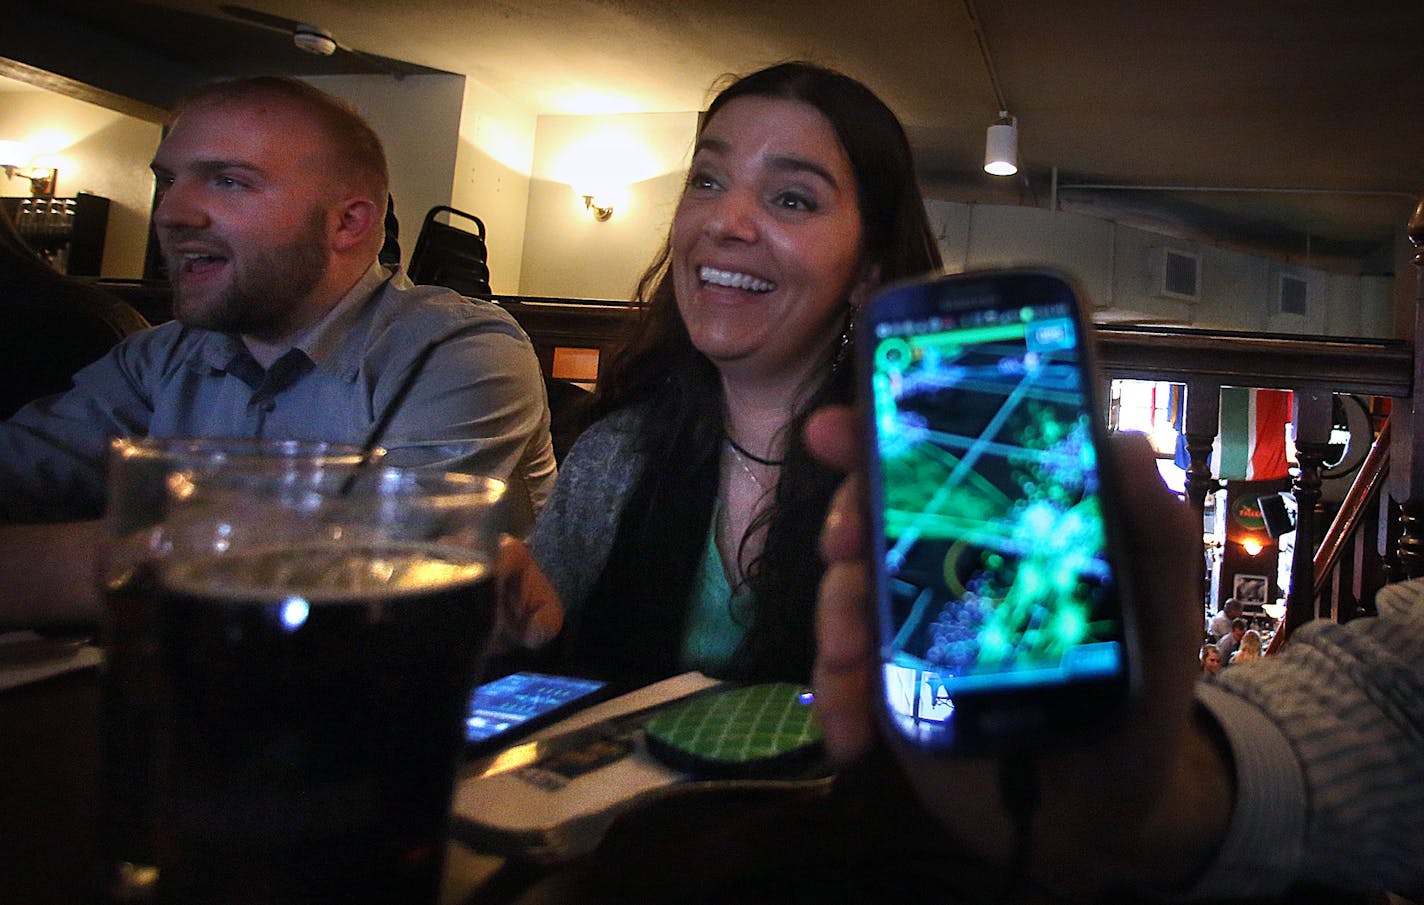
(271, 205)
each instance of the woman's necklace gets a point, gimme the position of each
(738, 511)
(746, 454)
(742, 457)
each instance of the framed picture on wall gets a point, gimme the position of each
(1249, 589)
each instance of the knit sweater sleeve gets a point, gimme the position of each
(1328, 739)
(574, 534)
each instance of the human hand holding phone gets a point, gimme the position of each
(1146, 802)
(995, 539)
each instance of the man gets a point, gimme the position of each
(271, 206)
(1220, 625)
(1307, 768)
(1228, 643)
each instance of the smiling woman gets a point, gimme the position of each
(766, 243)
(682, 532)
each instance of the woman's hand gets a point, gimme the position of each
(1148, 803)
(530, 613)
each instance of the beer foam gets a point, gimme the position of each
(323, 573)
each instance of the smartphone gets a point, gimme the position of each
(998, 570)
(508, 708)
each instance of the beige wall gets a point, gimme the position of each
(107, 153)
(492, 166)
(101, 152)
(452, 140)
(418, 119)
(640, 159)
(1117, 268)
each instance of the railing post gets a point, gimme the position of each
(1312, 418)
(1200, 424)
(1407, 455)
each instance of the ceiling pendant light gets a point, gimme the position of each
(1001, 146)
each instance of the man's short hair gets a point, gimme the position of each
(355, 146)
(1240, 623)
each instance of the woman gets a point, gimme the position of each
(1250, 648)
(682, 532)
(1210, 657)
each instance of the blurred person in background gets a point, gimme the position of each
(53, 324)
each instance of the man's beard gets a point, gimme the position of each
(266, 293)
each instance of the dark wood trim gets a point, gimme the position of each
(1369, 367)
(31, 75)
(581, 323)
(1366, 366)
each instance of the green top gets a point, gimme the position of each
(712, 635)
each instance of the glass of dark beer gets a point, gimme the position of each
(137, 500)
(318, 630)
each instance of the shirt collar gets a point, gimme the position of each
(326, 342)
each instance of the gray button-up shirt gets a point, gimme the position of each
(478, 406)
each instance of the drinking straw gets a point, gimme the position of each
(378, 430)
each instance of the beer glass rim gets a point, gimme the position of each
(353, 473)
(456, 487)
(239, 451)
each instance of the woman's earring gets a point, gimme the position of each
(843, 347)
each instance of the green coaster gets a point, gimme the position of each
(756, 730)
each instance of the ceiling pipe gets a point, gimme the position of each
(1217, 188)
(983, 41)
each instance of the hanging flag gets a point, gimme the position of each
(1176, 416)
(1251, 442)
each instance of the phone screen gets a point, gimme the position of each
(520, 700)
(994, 567)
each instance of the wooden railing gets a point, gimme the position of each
(1345, 587)
(1313, 368)
(1381, 519)
(1407, 443)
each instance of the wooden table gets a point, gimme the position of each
(49, 772)
(868, 841)
(49, 780)
(741, 848)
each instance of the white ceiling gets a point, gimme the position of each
(1270, 94)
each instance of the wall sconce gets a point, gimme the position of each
(42, 180)
(15, 160)
(1252, 546)
(601, 213)
(1001, 146)
(600, 162)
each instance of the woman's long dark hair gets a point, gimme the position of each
(632, 626)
